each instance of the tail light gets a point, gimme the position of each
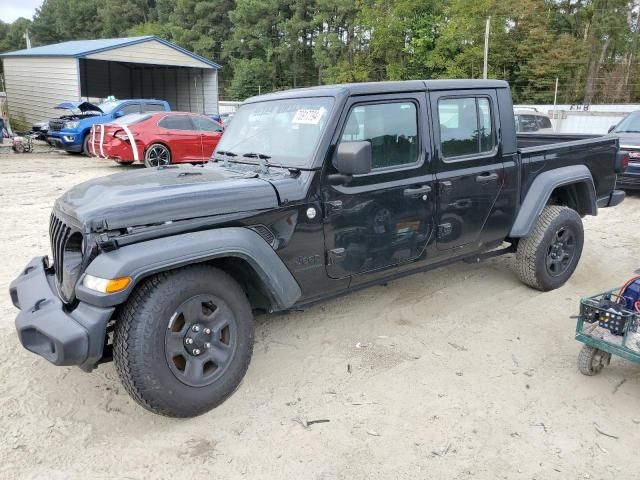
(122, 135)
(622, 161)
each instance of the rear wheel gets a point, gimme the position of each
(547, 258)
(157, 155)
(184, 341)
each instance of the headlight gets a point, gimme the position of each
(106, 285)
(71, 125)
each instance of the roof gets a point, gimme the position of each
(83, 48)
(370, 88)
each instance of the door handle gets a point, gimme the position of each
(487, 177)
(417, 192)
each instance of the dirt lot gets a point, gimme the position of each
(458, 373)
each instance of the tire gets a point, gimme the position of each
(547, 258)
(591, 360)
(157, 366)
(85, 146)
(157, 155)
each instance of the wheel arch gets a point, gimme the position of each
(567, 186)
(238, 251)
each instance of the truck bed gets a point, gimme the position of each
(541, 152)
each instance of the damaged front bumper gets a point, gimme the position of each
(46, 328)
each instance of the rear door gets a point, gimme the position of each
(210, 133)
(469, 168)
(182, 138)
(384, 218)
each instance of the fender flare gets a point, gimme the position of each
(540, 191)
(143, 259)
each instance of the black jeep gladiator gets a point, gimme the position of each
(311, 193)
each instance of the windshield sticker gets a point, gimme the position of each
(308, 116)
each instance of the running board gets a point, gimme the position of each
(493, 253)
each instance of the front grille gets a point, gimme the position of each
(56, 124)
(59, 233)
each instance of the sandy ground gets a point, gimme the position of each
(458, 373)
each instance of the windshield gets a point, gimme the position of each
(284, 132)
(630, 123)
(108, 107)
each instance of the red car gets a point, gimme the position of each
(156, 139)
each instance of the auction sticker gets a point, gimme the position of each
(308, 116)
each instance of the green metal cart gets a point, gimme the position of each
(606, 329)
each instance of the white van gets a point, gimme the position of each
(532, 121)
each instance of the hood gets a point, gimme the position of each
(82, 106)
(154, 196)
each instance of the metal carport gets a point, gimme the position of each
(139, 67)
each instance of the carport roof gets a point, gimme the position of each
(82, 48)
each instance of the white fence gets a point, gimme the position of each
(584, 118)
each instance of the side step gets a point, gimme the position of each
(490, 254)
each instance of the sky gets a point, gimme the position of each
(12, 9)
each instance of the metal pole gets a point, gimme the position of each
(555, 99)
(486, 47)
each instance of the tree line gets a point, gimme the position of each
(590, 46)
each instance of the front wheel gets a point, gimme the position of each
(547, 258)
(592, 360)
(157, 155)
(184, 340)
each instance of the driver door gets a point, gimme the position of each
(384, 218)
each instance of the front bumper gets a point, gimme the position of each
(47, 329)
(65, 141)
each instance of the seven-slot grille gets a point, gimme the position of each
(56, 124)
(59, 233)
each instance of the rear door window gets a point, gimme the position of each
(177, 122)
(528, 123)
(544, 122)
(131, 108)
(152, 107)
(206, 125)
(466, 126)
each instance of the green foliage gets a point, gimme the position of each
(590, 46)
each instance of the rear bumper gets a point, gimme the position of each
(614, 198)
(628, 181)
(44, 326)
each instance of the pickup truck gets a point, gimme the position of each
(311, 193)
(628, 132)
(71, 132)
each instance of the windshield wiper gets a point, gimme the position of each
(626, 131)
(261, 156)
(227, 153)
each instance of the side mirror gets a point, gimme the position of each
(353, 158)
(611, 128)
(118, 114)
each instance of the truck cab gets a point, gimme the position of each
(71, 132)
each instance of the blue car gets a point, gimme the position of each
(71, 132)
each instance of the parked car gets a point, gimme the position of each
(41, 130)
(628, 131)
(157, 139)
(311, 193)
(71, 132)
(532, 121)
(225, 118)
